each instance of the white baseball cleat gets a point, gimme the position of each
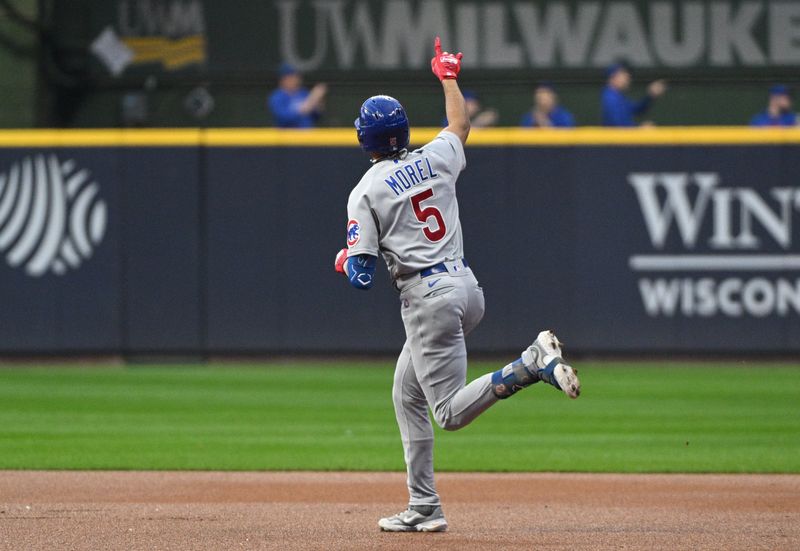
(416, 520)
(544, 357)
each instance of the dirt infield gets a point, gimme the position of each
(211, 510)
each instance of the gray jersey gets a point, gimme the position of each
(406, 209)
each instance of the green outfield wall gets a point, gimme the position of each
(719, 55)
(19, 52)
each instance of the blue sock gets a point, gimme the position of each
(512, 378)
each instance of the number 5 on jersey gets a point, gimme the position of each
(425, 214)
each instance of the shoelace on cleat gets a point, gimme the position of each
(548, 373)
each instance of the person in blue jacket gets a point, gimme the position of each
(546, 110)
(478, 116)
(292, 105)
(779, 109)
(618, 109)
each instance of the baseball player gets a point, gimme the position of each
(405, 209)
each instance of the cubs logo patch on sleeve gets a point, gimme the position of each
(353, 232)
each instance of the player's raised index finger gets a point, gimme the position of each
(437, 46)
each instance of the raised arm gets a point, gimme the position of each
(446, 67)
(456, 108)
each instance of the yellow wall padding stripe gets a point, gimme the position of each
(189, 137)
(345, 137)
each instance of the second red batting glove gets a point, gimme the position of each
(444, 64)
(341, 258)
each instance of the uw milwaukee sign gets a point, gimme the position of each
(396, 35)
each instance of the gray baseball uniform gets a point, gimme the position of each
(406, 210)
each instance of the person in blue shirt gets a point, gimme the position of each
(478, 116)
(779, 109)
(292, 105)
(618, 109)
(546, 111)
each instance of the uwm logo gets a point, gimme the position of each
(170, 32)
(740, 239)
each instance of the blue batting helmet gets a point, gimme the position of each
(382, 126)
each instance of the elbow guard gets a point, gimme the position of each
(361, 270)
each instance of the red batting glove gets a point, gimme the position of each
(444, 64)
(341, 258)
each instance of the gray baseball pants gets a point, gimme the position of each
(438, 311)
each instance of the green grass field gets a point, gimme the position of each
(631, 418)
